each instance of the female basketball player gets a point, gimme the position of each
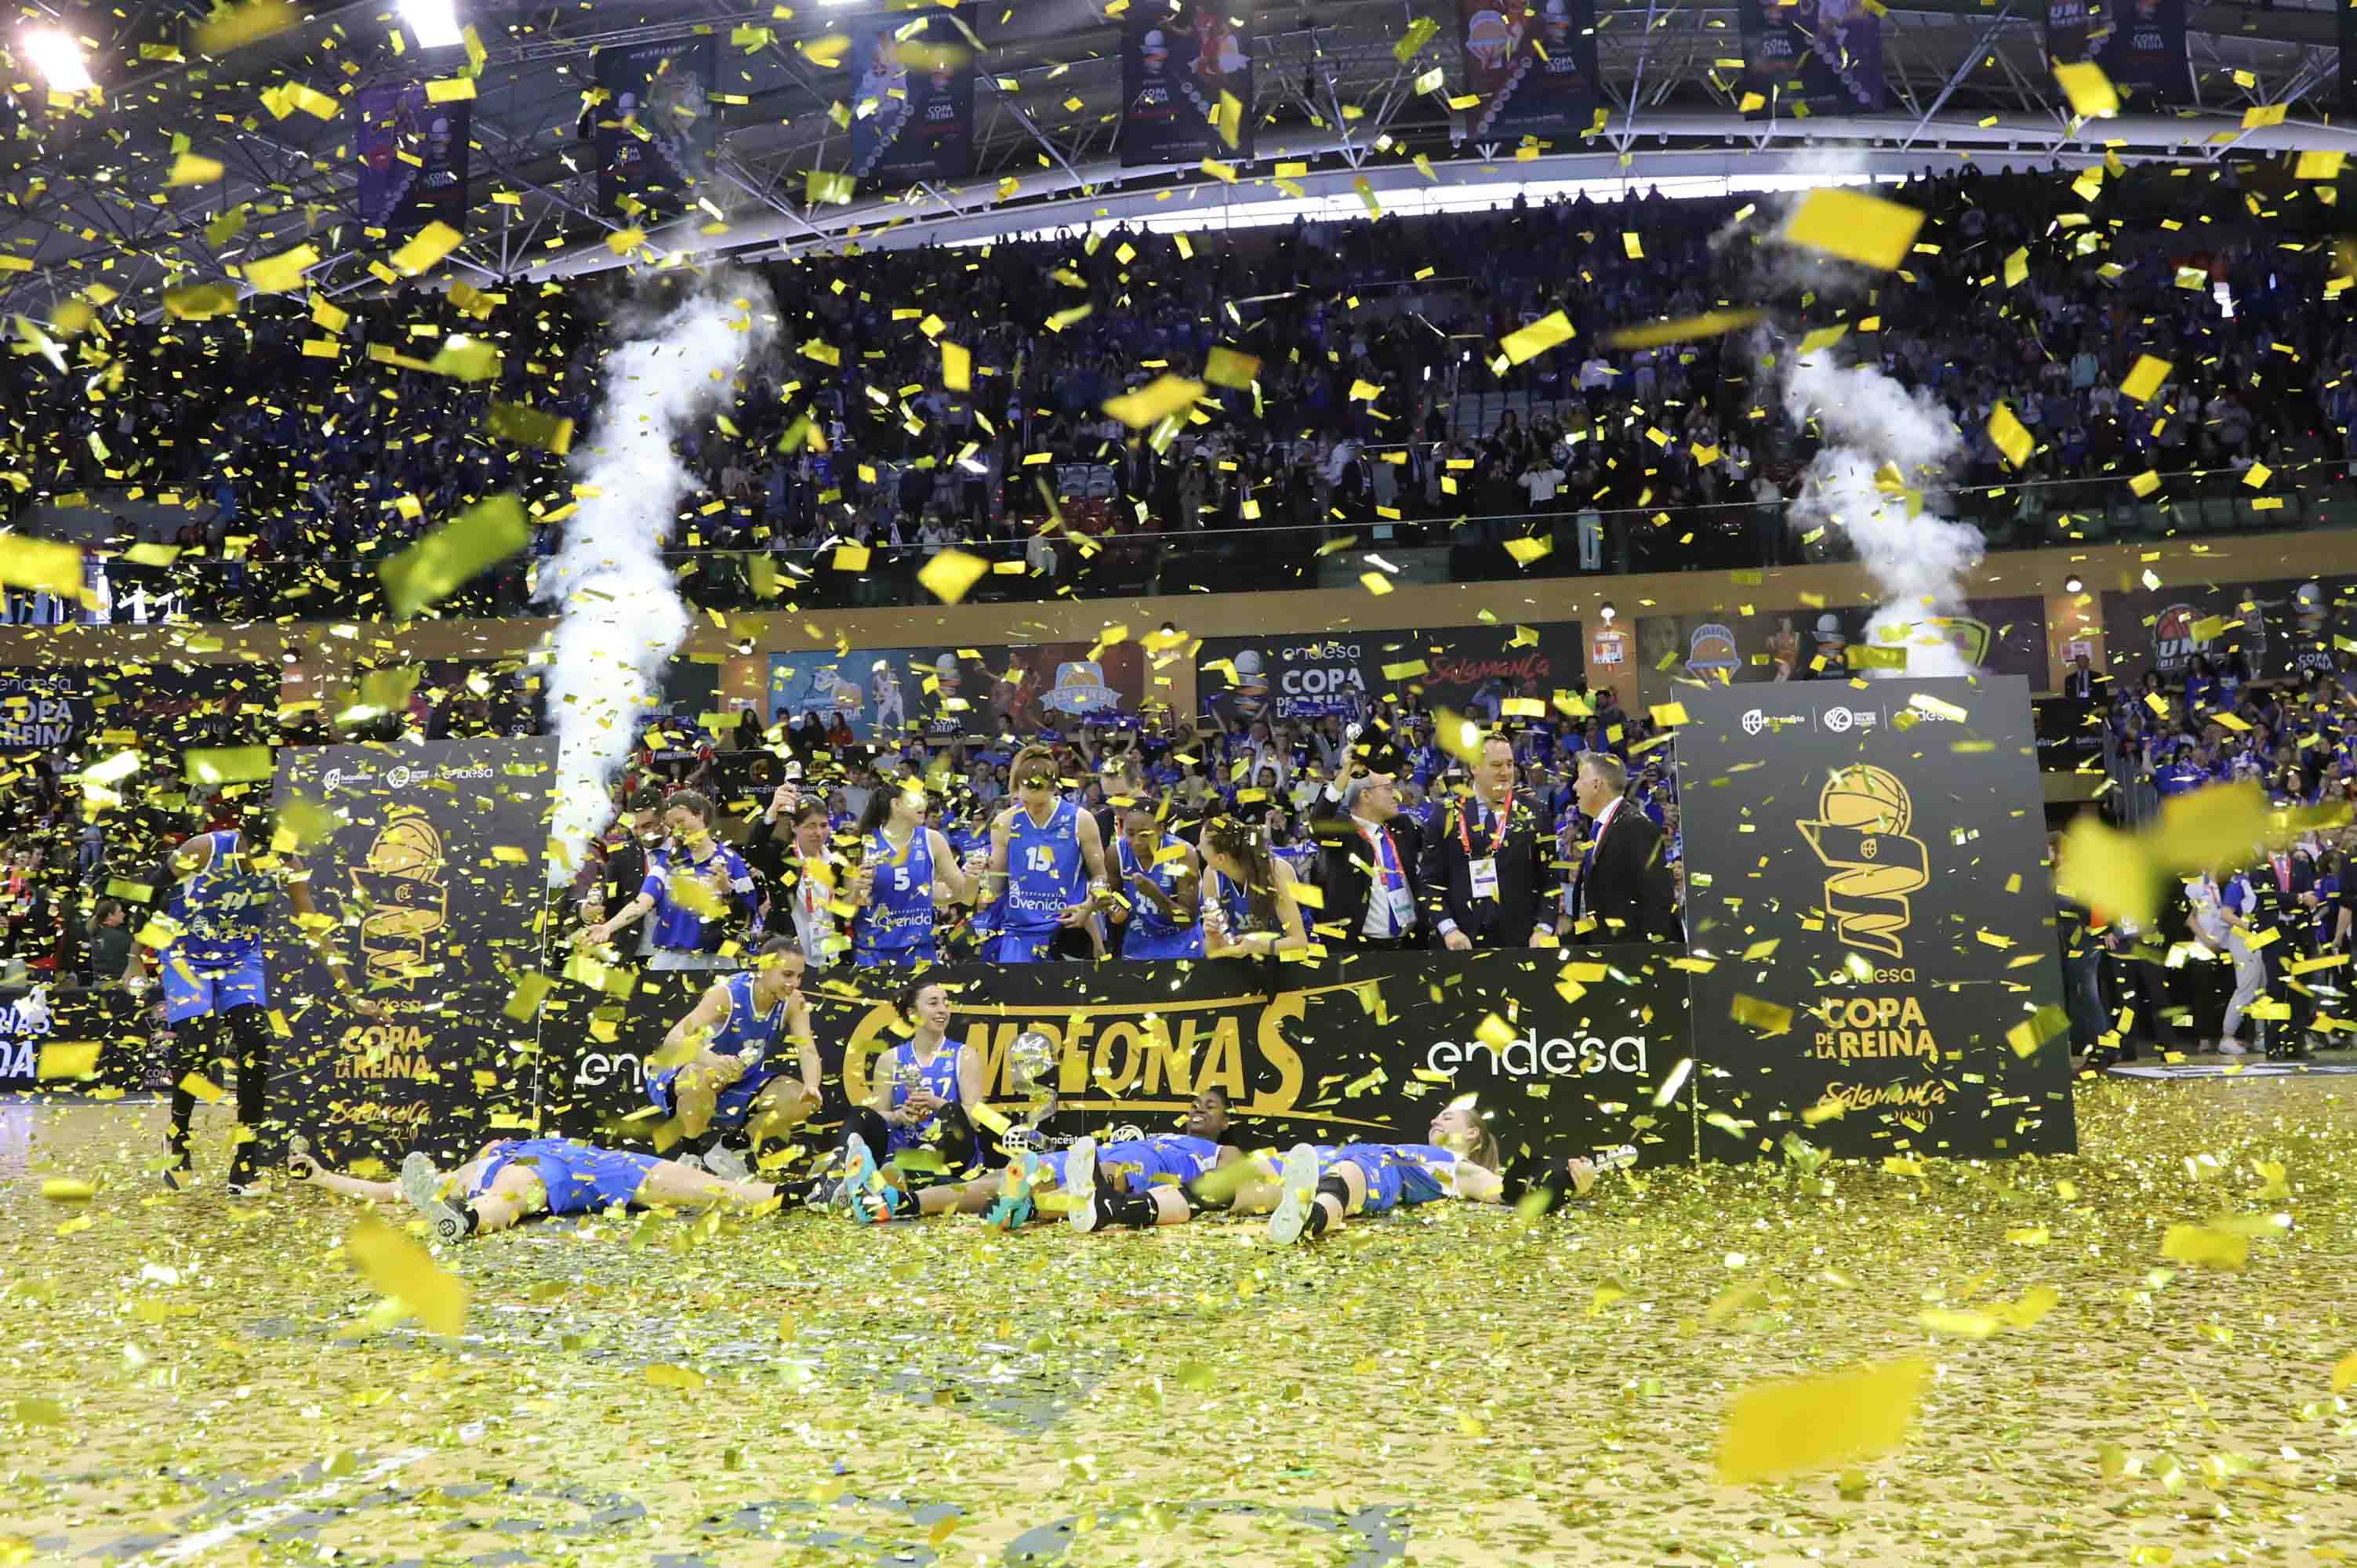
(1134, 1167)
(513, 1180)
(733, 1081)
(923, 1095)
(1249, 909)
(909, 871)
(1160, 878)
(1046, 863)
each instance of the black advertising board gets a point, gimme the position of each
(656, 128)
(912, 101)
(430, 865)
(1365, 1049)
(1534, 69)
(1867, 880)
(2067, 24)
(2279, 629)
(44, 708)
(1813, 57)
(1176, 60)
(1470, 669)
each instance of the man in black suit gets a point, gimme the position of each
(1621, 892)
(1369, 868)
(1486, 878)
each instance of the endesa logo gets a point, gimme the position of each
(1527, 1056)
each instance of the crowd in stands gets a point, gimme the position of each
(284, 460)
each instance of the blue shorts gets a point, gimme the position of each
(1187, 943)
(194, 986)
(1392, 1182)
(1140, 1165)
(1022, 947)
(579, 1178)
(729, 1108)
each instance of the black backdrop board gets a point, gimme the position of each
(1747, 642)
(1894, 862)
(432, 869)
(1815, 56)
(2143, 51)
(45, 708)
(1537, 77)
(414, 162)
(664, 89)
(1356, 1050)
(1469, 669)
(110, 1019)
(2067, 22)
(1176, 61)
(2346, 33)
(2279, 629)
(911, 100)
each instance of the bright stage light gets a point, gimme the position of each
(59, 60)
(433, 23)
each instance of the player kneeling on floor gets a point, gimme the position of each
(730, 1076)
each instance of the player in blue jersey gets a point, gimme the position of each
(696, 888)
(514, 1179)
(1249, 909)
(923, 1095)
(1158, 879)
(726, 1070)
(907, 871)
(218, 900)
(1047, 870)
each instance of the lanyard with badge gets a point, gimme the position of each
(1394, 880)
(1483, 870)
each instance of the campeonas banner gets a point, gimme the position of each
(2141, 46)
(1176, 60)
(1867, 875)
(656, 128)
(412, 158)
(1365, 1049)
(1471, 670)
(1533, 69)
(431, 868)
(1815, 56)
(912, 101)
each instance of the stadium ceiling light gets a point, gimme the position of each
(2072, 585)
(59, 60)
(433, 23)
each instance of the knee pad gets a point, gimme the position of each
(1335, 1187)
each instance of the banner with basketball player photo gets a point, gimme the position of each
(1566, 1051)
(1187, 82)
(414, 158)
(655, 131)
(1869, 878)
(2275, 630)
(428, 860)
(1744, 643)
(2068, 26)
(1470, 669)
(1815, 56)
(1534, 69)
(2140, 44)
(912, 101)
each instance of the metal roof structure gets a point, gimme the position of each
(84, 182)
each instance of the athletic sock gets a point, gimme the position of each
(1134, 1209)
(474, 1221)
(1331, 1187)
(1317, 1218)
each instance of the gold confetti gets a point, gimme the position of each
(950, 575)
(446, 560)
(1530, 341)
(1854, 226)
(2090, 91)
(402, 1269)
(1150, 404)
(1790, 1425)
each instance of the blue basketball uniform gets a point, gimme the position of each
(1045, 876)
(1152, 933)
(897, 926)
(940, 1075)
(746, 1032)
(1167, 1159)
(579, 1179)
(1235, 899)
(215, 963)
(678, 927)
(1399, 1176)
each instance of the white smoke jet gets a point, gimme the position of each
(620, 616)
(1869, 423)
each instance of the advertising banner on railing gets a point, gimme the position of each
(1745, 643)
(1187, 82)
(1469, 670)
(1534, 69)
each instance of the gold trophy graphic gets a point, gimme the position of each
(1872, 862)
(407, 901)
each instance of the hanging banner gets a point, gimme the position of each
(2067, 25)
(912, 101)
(1177, 60)
(430, 866)
(887, 694)
(2140, 44)
(1742, 643)
(414, 158)
(44, 708)
(1564, 1050)
(1470, 669)
(1886, 980)
(1813, 57)
(2275, 630)
(1533, 71)
(656, 128)
(2345, 31)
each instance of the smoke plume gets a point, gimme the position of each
(1873, 428)
(620, 616)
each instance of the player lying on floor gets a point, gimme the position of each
(1320, 1187)
(512, 1180)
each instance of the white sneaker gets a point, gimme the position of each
(1298, 1190)
(2232, 1048)
(726, 1163)
(421, 1185)
(1081, 1166)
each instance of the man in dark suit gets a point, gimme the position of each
(1486, 878)
(1621, 891)
(1369, 868)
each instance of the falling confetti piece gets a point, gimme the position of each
(950, 575)
(402, 1269)
(446, 560)
(1790, 1425)
(1854, 226)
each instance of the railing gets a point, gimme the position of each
(1729, 536)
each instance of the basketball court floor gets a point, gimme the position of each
(192, 1378)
